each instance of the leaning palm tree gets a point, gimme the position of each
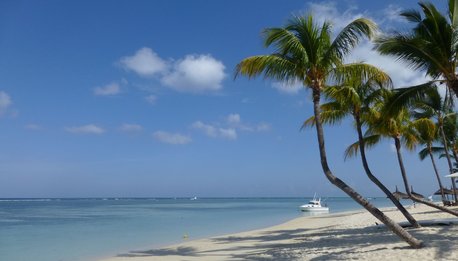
(355, 97)
(432, 44)
(305, 53)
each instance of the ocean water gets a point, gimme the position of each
(89, 229)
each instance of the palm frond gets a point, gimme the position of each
(285, 42)
(411, 15)
(423, 153)
(360, 72)
(350, 36)
(272, 66)
(369, 142)
(403, 98)
(412, 51)
(437, 150)
(310, 122)
(426, 128)
(453, 12)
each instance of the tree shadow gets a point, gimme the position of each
(179, 251)
(325, 243)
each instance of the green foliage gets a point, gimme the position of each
(304, 52)
(370, 140)
(432, 44)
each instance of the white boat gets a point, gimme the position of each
(314, 205)
(194, 198)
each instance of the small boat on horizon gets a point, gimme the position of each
(314, 205)
(193, 198)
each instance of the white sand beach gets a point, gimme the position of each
(343, 236)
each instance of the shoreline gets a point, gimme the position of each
(184, 242)
(343, 235)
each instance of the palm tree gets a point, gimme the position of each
(426, 102)
(432, 44)
(355, 97)
(304, 52)
(399, 128)
(450, 130)
(427, 134)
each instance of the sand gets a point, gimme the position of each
(343, 236)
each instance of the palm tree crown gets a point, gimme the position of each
(304, 52)
(432, 45)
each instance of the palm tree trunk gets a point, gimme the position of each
(449, 161)
(455, 155)
(454, 150)
(406, 182)
(437, 172)
(376, 181)
(397, 143)
(393, 226)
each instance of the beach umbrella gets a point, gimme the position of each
(416, 194)
(446, 192)
(453, 175)
(399, 195)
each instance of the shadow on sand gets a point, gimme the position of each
(316, 244)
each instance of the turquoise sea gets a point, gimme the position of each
(89, 229)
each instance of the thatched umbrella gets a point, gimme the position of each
(416, 194)
(446, 192)
(399, 195)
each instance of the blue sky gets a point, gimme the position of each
(138, 99)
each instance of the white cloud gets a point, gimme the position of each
(171, 138)
(233, 118)
(215, 132)
(86, 129)
(109, 89)
(130, 127)
(229, 128)
(391, 14)
(144, 62)
(288, 88)
(33, 126)
(228, 133)
(208, 129)
(263, 127)
(195, 73)
(151, 99)
(5, 101)
(327, 11)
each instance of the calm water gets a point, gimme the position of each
(87, 229)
